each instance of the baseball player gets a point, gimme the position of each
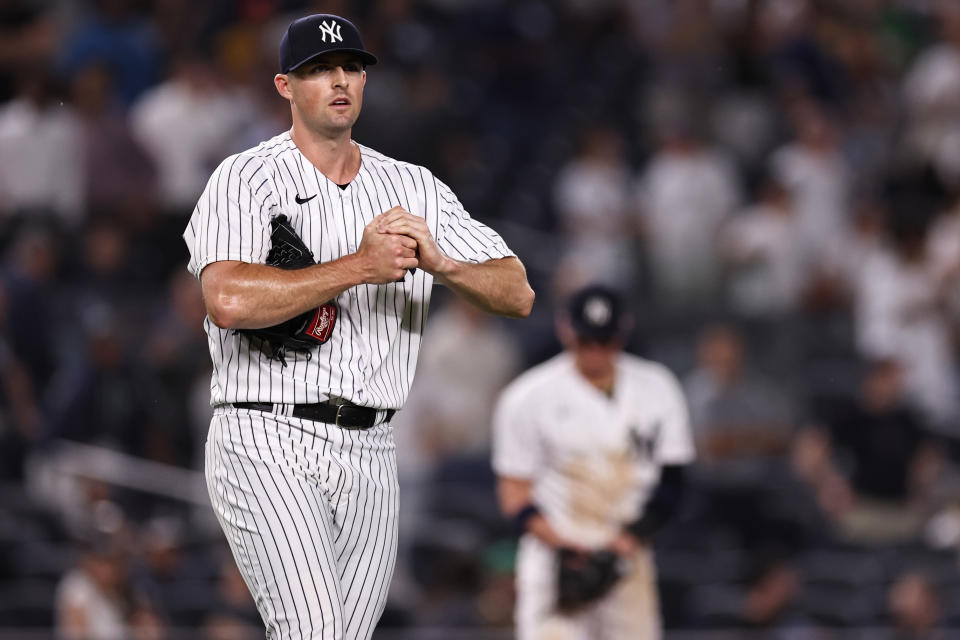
(300, 462)
(589, 450)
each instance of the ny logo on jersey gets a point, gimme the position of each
(332, 29)
(645, 444)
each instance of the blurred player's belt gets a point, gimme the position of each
(344, 415)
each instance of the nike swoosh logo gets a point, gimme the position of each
(302, 200)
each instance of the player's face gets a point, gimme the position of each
(327, 92)
(595, 358)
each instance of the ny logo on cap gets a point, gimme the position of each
(597, 311)
(332, 29)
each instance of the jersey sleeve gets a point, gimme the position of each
(231, 219)
(463, 238)
(676, 446)
(516, 449)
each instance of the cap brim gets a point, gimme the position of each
(605, 334)
(365, 56)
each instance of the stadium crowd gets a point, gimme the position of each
(774, 183)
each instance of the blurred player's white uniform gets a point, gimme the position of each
(592, 460)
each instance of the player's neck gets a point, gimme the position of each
(603, 383)
(336, 157)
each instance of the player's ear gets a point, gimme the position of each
(627, 324)
(282, 83)
(564, 331)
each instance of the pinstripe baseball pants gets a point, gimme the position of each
(310, 513)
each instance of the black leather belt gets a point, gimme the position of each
(345, 416)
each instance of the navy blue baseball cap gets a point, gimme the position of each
(312, 36)
(597, 313)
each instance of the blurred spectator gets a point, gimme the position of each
(736, 415)
(770, 594)
(30, 282)
(943, 255)
(117, 171)
(41, 172)
(179, 25)
(743, 482)
(103, 274)
(159, 571)
(146, 623)
(931, 91)
(27, 33)
(115, 35)
(686, 41)
(592, 196)
(794, 53)
(186, 124)
(270, 115)
(845, 256)
(887, 459)
(816, 174)
(769, 267)
(915, 607)
(170, 355)
(91, 601)
(900, 315)
(867, 50)
(680, 223)
(21, 422)
(100, 398)
(744, 122)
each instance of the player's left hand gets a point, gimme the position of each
(625, 544)
(398, 220)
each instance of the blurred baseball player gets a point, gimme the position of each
(300, 460)
(589, 450)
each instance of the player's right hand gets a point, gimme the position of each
(385, 257)
(626, 545)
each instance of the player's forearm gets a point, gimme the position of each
(496, 286)
(663, 504)
(240, 295)
(540, 527)
(515, 496)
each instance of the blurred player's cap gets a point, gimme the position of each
(596, 313)
(309, 37)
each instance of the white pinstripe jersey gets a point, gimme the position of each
(371, 355)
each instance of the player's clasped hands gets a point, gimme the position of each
(399, 221)
(386, 256)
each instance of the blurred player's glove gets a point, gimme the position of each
(584, 578)
(309, 329)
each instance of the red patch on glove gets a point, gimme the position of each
(321, 326)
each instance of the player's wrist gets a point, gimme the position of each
(446, 267)
(522, 518)
(357, 269)
(626, 543)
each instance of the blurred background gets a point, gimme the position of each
(773, 183)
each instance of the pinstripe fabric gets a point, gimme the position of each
(310, 510)
(371, 357)
(310, 513)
